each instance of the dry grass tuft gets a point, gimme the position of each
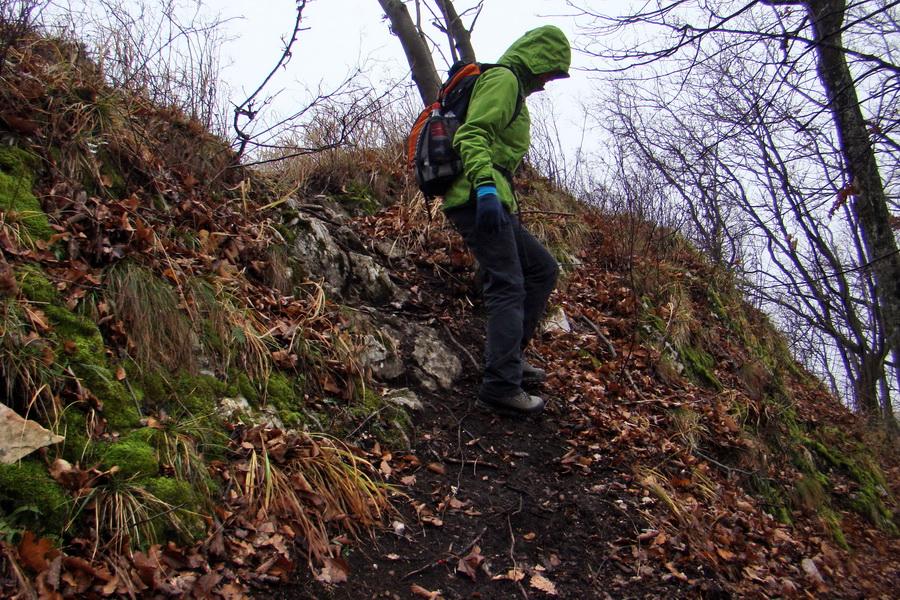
(317, 484)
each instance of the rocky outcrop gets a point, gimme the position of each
(411, 351)
(337, 260)
(331, 253)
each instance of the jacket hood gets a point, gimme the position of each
(542, 50)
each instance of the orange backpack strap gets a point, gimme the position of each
(413, 141)
(467, 71)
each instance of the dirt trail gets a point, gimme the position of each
(495, 511)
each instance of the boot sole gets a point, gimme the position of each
(505, 410)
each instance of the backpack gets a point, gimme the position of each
(430, 147)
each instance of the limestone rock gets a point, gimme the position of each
(381, 355)
(232, 409)
(345, 273)
(319, 255)
(369, 280)
(437, 361)
(556, 320)
(20, 437)
(404, 398)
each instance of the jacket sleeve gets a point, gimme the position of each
(491, 108)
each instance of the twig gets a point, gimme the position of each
(634, 385)
(726, 467)
(445, 560)
(476, 462)
(512, 555)
(461, 347)
(246, 107)
(603, 338)
(546, 212)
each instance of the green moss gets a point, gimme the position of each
(84, 350)
(42, 504)
(17, 202)
(773, 499)
(153, 386)
(134, 456)
(181, 496)
(382, 419)
(198, 395)
(700, 365)
(832, 520)
(172, 491)
(35, 285)
(73, 426)
(246, 388)
(289, 235)
(809, 494)
(359, 196)
(834, 451)
(286, 395)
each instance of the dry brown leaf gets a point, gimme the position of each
(540, 582)
(469, 565)
(232, 591)
(336, 570)
(36, 553)
(437, 468)
(423, 593)
(512, 575)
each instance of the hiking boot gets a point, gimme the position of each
(517, 404)
(532, 375)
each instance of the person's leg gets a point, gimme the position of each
(504, 299)
(540, 272)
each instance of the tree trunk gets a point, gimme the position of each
(418, 55)
(869, 203)
(459, 35)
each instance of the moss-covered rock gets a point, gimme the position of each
(83, 349)
(17, 202)
(700, 364)
(133, 455)
(285, 393)
(185, 522)
(73, 426)
(197, 395)
(28, 488)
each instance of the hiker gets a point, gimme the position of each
(519, 272)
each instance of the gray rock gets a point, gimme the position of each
(404, 398)
(345, 274)
(381, 355)
(436, 360)
(556, 320)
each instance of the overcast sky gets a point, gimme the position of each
(343, 34)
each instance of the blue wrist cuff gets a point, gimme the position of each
(484, 190)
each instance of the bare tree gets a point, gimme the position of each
(418, 54)
(771, 96)
(418, 46)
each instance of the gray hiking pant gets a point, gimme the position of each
(519, 276)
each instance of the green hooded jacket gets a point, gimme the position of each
(488, 138)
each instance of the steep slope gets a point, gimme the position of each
(250, 372)
(683, 453)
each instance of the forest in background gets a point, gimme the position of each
(724, 121)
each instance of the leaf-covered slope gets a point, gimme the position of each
(740, 472)
(150, 292)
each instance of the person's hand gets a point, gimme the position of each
(489, 215)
